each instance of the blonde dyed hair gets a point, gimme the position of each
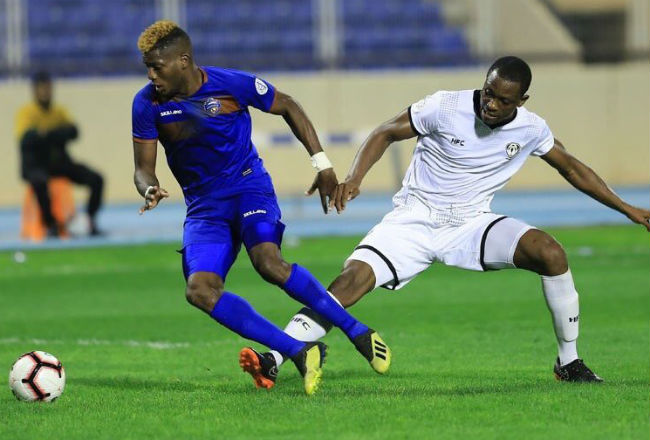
(154, 33)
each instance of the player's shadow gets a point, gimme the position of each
(427, 385)
(134, 383)
(212, 384)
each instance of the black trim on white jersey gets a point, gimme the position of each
(411, 122)
(484, 238)
(386, 260)
(477, 112)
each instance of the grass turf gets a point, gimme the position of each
(473, 352)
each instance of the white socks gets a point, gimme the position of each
(562, 301)
(307, 326)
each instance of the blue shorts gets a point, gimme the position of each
(213, 235)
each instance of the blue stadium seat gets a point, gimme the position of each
(88, 37)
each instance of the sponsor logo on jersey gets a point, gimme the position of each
(512, 149)
(261, 86)
(456, 141)
(212, 106)
(171, 112)
(257, 211)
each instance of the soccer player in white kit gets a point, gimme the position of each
(470, 143)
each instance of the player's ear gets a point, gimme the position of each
(523, 100)
(185, 60)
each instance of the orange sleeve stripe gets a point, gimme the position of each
(145, 141)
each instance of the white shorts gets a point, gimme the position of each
(410, 238)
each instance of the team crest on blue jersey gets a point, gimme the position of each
(512, 149)
(212, 106)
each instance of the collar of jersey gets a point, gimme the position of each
(477, 112)
(204, 79)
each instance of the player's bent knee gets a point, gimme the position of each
(553, 258)
(539, 252)
(203, 292)
(97, 181)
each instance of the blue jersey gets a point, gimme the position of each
(207, 136)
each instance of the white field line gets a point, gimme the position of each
(156, 345)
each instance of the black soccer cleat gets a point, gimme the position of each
(575, 371)
(309, 362)
(374, 349)
(261, 366)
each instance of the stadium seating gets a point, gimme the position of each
(87, 37)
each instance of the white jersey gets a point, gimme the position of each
(459, 162)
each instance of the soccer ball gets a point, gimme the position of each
(37, 375)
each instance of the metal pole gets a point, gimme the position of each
(326, 32)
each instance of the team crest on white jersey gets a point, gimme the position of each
(212, 106)
(512, 149)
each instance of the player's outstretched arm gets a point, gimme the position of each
(296, 118)
(586, 180)
(397, 129)
(146, 182)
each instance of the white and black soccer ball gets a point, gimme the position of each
(37, 376)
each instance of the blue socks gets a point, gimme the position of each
(303, 287)
(238, 315)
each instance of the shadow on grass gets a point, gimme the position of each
(220, 385)
(351, 383)
(137, 383)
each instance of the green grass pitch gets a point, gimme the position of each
(473, 352)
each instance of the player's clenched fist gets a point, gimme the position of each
(152, 196)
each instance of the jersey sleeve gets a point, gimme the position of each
(143, 119)
(251, 90)
(423, 114)
(544, 141)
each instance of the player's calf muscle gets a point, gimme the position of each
(273, 270)
(356, 279)
(268, 262)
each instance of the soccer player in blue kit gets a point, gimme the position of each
(200, 115)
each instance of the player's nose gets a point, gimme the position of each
(491, 105)
(151, 75)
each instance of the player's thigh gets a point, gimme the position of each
(500, 243)
(258, 219)
(77, 173)
(36, 176)
(216, 257)
(396, 249)
(486, 242)
(209, 244)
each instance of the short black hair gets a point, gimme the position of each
(42, 76)
(513, 69)
(176, 36)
